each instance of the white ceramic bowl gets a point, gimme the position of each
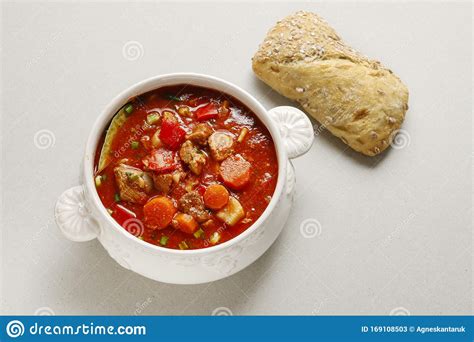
(81, 216)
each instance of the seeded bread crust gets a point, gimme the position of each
(355, 98)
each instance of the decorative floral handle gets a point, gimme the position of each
(295, 129)
(73, 217)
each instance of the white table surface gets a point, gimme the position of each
(396, 230)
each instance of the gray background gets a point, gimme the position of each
(396, 230)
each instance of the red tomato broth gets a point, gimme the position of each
(257, 148)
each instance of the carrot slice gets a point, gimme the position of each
(235, 171)
(159, 212)
(186, 223)
(216, 196)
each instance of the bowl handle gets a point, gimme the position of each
(295, 129)
(73, 218)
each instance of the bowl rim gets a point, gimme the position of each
(174, 79)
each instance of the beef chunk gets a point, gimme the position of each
(193, 157)
(200, 134)
(192, 204)
(134, 184)
(163, 182)
(166, 181)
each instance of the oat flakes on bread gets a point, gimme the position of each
(357, 99)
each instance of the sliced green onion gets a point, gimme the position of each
(133, 177)
(198, 233)
(117, 198)
(173, 98)
(129, 108)
(140, 237)
(110, 211)
(98, 181)
(103, 178)
(164, 240)
(183, 245)
(215, 237)
(135, 145)
(152, 118)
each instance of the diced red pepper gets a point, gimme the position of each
(122, 214)
(207, 112)
(161, 160)
(201, 189)
(172, 134)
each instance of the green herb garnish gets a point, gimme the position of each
(132, 176)
(198, 233)
(129, 109)
(135, 145)
(152, 118)
(183, 245)
(173, 98)
(164, 240)
(117, 198)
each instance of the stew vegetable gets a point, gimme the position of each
(185, 167)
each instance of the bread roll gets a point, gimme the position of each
(355, 98)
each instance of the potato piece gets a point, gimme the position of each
(232, 213)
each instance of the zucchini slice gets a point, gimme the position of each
(115, 125)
